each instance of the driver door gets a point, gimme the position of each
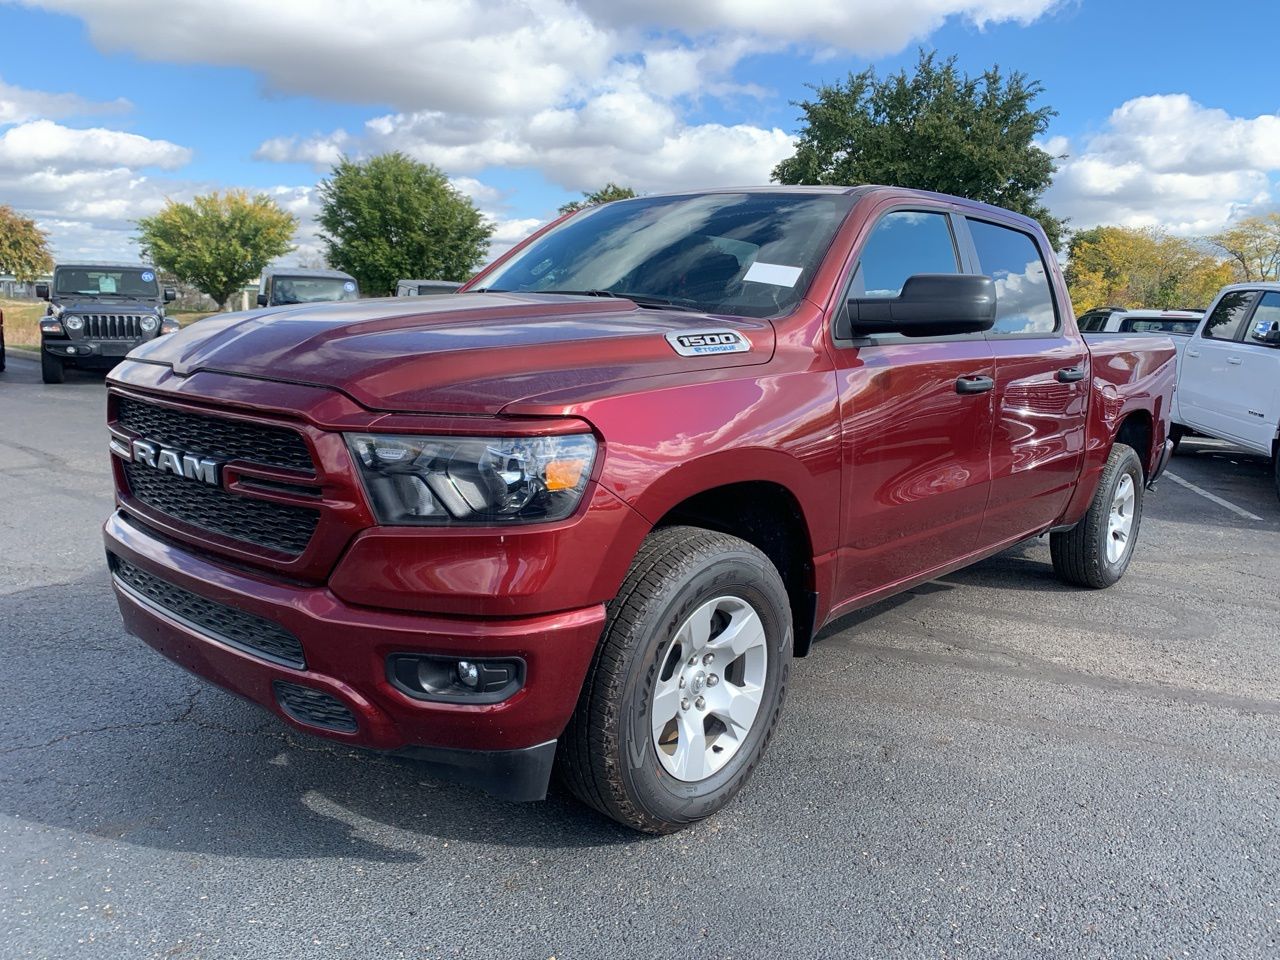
(916, 417)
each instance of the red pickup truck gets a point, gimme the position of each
(584, 513)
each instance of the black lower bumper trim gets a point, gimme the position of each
(516, 775)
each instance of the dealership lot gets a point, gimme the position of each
(993, 765)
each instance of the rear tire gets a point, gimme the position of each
(700, 629)
(1097, 550)
(51, 368)
(1275, 469)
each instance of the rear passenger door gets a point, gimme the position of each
(1042, 386)
(1214, 383)
(915, 447)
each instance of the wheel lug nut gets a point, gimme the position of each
(700, 703)
(709, 658)
(693, 661)
(684, 704)
(682, 681)
(712, 680)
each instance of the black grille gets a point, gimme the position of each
(217, 437)
(314, 707)
(234, 627)
(276, 526)
(112, 326)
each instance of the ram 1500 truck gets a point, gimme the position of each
(586, 511)
(1229, 373)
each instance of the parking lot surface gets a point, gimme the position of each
(994, 765)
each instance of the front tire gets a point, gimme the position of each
(687, 683)
(1096, 551)
(51, 368)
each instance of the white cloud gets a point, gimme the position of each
(864, 27)
(621, 134)
(1168, 161)
(43, 144)
(474, 56)
(18, 105)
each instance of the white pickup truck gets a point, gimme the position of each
(1229, 372)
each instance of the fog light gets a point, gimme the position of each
(455, 680)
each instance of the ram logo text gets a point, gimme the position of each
(178, 462)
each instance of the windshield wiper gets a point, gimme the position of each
(642, 299)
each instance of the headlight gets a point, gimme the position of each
(496, 480)
(73, 323)
(149, 324)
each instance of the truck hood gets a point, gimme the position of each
(470, 353)
(85, 305)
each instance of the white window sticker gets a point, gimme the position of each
(778, 274)
(106, 284)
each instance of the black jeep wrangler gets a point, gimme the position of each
(97, 313)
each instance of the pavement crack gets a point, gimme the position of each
(109, 728)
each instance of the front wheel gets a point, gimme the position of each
(686, 685)
(51, 368)
(1096, 551)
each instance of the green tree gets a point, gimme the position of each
(1253, 246)
(390, 217)
(24, 248)
(606, 194)
(1126, 267)
(934, 129)
(219, 241)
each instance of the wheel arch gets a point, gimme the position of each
(768, 515)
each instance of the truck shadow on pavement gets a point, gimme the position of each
(148, 755)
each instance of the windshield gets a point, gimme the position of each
(747, 254)
(135, 283)
(312, 289)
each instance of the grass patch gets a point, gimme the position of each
(22, 321)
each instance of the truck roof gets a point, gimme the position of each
(861, 190)
(93, 264)
(305, 272)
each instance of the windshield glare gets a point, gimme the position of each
(311, 289)
(138, 284)
(746, 254)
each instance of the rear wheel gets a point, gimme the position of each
(686, 685)
(1096, 551)
(1275, 469)
(51, 368)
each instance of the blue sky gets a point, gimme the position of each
(113, 105)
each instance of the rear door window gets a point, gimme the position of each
(1024, 300)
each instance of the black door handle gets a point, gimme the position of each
(1070, 374)
(974, 384)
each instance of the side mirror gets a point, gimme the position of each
(170, 294)
(1268, 332)
(42, 291)
(930, 305)
(262, 299)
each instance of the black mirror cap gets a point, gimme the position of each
(930, 305)
(170, 294)
(42, 291)
(262, 299)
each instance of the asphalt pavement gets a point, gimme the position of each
(994, 765)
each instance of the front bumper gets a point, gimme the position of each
(81, 350)
(505, 747)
